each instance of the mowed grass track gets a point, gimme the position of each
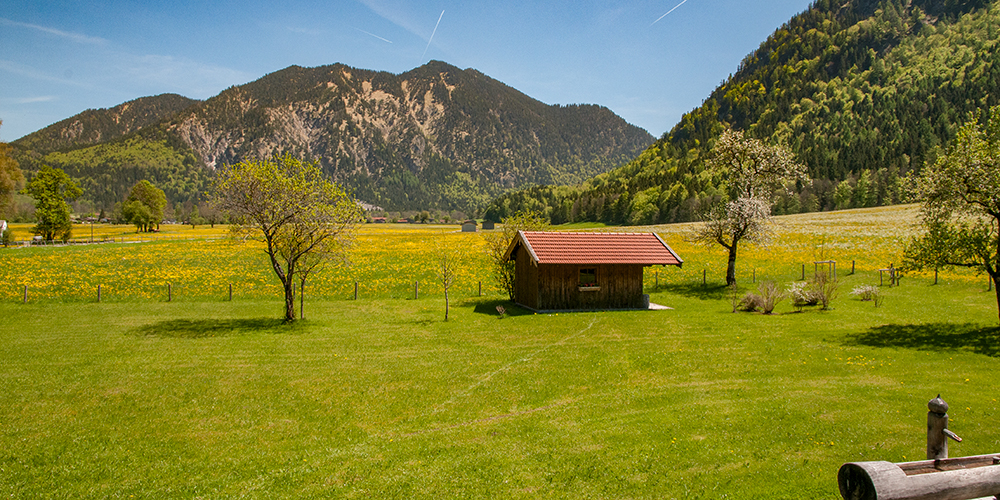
(379, 398)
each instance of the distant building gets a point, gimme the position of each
(3, 226)
(469, 226)
(488, 225)
(378, 220)
(560, 271)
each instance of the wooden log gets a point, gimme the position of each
(888, 481)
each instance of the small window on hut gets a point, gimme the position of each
(588, 277)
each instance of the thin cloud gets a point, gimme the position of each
(305, 31)
(374, 35)
(196, 79)
(32, 100)
(75, 37)
(27, 71)
(395, 15)
(431, 39)
(669, 11)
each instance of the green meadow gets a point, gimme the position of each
(202, 397)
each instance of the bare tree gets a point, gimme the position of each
(303, 218)
(447, 263)
(751, 172)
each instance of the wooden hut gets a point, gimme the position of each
(565, 271)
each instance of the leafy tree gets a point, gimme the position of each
(497, 243)
(960, 195)
(52, 188)
(302, 218)
(751, 172)
(195, 217)
(10, 176)
(144, 206)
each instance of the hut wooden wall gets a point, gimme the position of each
(557, 287)
(525, 279)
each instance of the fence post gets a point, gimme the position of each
(755, 275)
(230, 292)
(480, 288)
(990, 283)
(98, 293)
(25, 301)
(355, 290)
(803, 272)
(416, 290)
(704, 277)
(852, 267)
(170, 292)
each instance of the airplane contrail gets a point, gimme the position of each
(432, 36)
(668, 12)
(374, 35)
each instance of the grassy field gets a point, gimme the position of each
(380, 398)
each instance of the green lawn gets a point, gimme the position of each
(380, 398)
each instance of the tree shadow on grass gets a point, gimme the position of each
(933, 337)
(489, 308)
(695, 290)
(203, 328)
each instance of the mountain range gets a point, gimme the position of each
(433, 137)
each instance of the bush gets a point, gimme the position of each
(751, 302)
(866, 292)
(802, 295)
(820, 290)
(767, 297)
(7, 237)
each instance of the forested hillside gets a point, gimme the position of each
(863, 92)
(436, 137)
(95, 126)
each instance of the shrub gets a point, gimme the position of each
(767, 297)
(750, 302)
(826, 287)
(866, 292)
(7, 237)
(820, 290)
(733, 294)
(802, 295)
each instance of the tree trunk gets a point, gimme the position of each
(289, 286)
(996, 289)
(731, 267)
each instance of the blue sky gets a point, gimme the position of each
(58, 58)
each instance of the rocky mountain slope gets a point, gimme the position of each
(433, 137)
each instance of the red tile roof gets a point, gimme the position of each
(595, 248)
